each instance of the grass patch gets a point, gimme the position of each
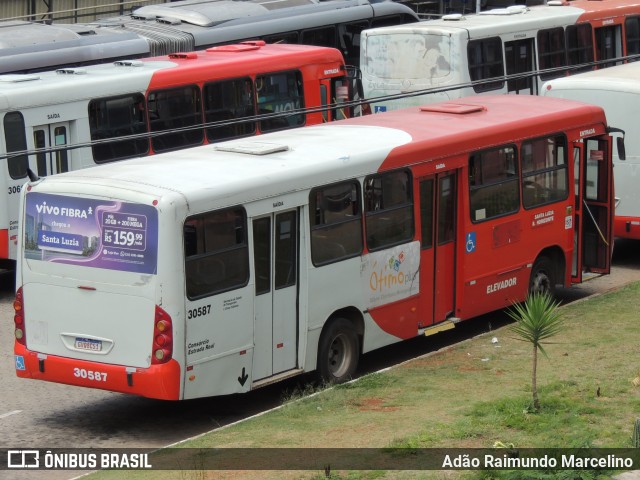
(470, 395)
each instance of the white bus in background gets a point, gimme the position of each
(453, 51)
(617, 91)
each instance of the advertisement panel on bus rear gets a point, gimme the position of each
(95, 233)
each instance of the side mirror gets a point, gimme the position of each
(622, 154)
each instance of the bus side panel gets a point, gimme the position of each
(219, 344)
(492, 292)
(325, 300)
(498, 263)
(391, 284)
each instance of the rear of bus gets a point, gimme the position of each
(409, 58)
(88, 308)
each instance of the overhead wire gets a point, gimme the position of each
(362, 103)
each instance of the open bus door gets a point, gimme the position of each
(593, 243)
(348, 90)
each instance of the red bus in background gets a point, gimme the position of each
(160, 104)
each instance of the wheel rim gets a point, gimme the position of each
(340, 355)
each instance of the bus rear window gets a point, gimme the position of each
(408, 56)
(216, 252)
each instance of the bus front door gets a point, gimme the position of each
(438, 202)
(51, 136)
(276, 246)
(593, 244)
(520, 60)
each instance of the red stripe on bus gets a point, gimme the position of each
(4, 243)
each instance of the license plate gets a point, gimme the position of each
(88, 344)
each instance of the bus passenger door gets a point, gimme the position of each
(520, 59)
(593, 243)
(51, 136)
(276, 246)
(609, 44)
(438, 202)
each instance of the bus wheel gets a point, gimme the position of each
(338, 352)
(542, 277)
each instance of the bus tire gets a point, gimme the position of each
(543, 277)
(338, 352)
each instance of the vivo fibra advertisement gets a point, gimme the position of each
(95, 233)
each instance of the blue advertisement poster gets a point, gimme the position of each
(95, 233)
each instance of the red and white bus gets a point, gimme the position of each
(507, 50)
(219, 269)
(165, 101)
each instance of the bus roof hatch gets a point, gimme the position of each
(457, 108)
(253, 148)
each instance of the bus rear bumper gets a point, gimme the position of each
(626, 227)
(157, 381)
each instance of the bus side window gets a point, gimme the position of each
(175, 109)
(279, 93)
(388, 201)
(287, 37)
(322, 37)
(16, 141)
(349, 39)
(579, 46)
(216, 252)
(544, 171)
(117, 117)
(632, 35)
(493, 184)
(390, 20)
(229, 100)
(485, 62)
(336, 223)
(551, 52)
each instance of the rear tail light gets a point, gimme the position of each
(162, 347)
(18, 318)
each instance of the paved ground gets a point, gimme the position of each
(632, 475)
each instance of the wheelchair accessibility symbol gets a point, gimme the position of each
(470, 245)
(20, 363)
